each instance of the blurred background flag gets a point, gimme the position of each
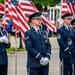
(64, 7)
(68, 6)
(71, 6)
(14, 11)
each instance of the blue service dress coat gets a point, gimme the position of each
(3, 46)
(71, 43)
(37, 47)
(62, 38)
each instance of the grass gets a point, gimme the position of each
(53, 36)
(12, 50)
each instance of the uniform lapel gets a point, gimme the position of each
(66, 29)
(71, 29)
(42, 35)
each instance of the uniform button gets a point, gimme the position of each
(3, 49)
(43, 50)
(43, 46)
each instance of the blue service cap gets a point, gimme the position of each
(68, 15)
(73, 22)
(1, 16)
(35, 15)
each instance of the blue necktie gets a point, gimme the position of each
(69, 29)
(39, 33)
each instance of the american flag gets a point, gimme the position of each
(68, 6)
(20, 14)
(16, 13)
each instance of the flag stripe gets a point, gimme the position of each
(22, 18)
(64, 7)
(1, 8)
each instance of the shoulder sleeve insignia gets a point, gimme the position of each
(69, 41)
(26, 38)
(58, 36)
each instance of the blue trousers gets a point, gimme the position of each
(66, 67)
(3, 69)
(38, 71)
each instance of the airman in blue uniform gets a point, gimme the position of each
(62, 38)
(38, 47)
(4, 43)
(71, 43)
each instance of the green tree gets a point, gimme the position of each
(46, 3)
(2, 1)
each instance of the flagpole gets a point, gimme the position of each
(4, 12)
(15, 52)
(15, 4)
(61, 8)
(60, 71)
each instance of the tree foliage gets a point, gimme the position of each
(2, 1)
(39, 3)
(46, 3)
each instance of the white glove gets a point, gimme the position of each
(46, 60)
(1, 40)
(4, 39)
(42, 61)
